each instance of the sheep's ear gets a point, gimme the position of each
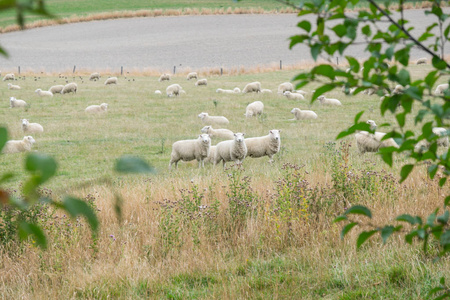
(270, 131)
(279, 131)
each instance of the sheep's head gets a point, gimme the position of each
(104, 106)
(12, 99)
(205, 138)
(29, 139)
(239, 137)
(286, 93)
(237, 90)
(206, 129)
(203, 115)
(321, 98)
(294, 110)
(275, 134)
(372, 124)
(25, 122)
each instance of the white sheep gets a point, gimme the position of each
(234, 91)
(56, 89)
(42, 93)
(102, 108)
(94, 76)
(253, 87)
(441, 88)
(369, 91)
(213, 120)
(423, 145)
(173, 90)
(13, 87)
(421, 61)
(188, 150)
(111, 80)
(294, 96)
(16, 146)
(266, 91)
(16, 102)
(192, 75)
(368, 142)
(70, 88)
(328, 101)
(9, 76)
(203, 81)
(28, 127)
(254, 109)
(268, 145)
(219, 133)
(158, 92)
(398, 90)
(210, 158)
(303, 114)
(164, 77)
(237, 90)
(300, 92)
(285, 87)
(232, 150)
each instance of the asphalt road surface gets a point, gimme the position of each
(163, 42)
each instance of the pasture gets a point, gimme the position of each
(266, 230)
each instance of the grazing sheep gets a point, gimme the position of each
(328, 101)
(28, 127)
(398, 90)
(303, 114)
(13, 87)
(213, 120)
(254, 109)
(368, 142)
(285, 87)
(294, 96)
(42, 93)
(266, 91)
(164, 77)
(158, 92)
(219, 133)
(188, 150)
(192, 75)
(94, 76)
(56, 89)
(268, 145)
(70, 88)
(232, 150)
(212, 153)
(203, 81)
(16, 102)
(441, 88)
(173, 90)
(102, 108)
(9, 76)
(16, 146)
(421, 61)
(111, 80)
(423, 145)
(234, 91)
(253, 87)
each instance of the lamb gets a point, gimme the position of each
(293, 96)
(13, 87)
(16, 102)
(102, 108)
(252, 87)
(94, 76)
(303, 114)
(28, 127)
(111, 80)
(173, 90)
(232, 150)
(421, 61)
(327, 101)
(268, 145)
(254, 109)
(9, 76)
(234, 91)
(44, 93)
(16, 146)
(70, 88)
(213, 120)
(441, 88)
(285, 87)
(164, 77)
(188, 150)
(203, 81)
(56, 89)
(219, 133)
(266, 91)
(192, 75)
(423, 145)
(158, 92)
(368, 142)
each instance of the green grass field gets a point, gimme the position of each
(157, 251)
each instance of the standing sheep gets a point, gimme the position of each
(164, 77)
(28, 127)
(285, 87)
(441, 88)
(268, 145)
(70, 88)
(111, 80)
(188, 150)
(56, 89)
(328, 101)
(368, 142)
(219, 133)
(102, 108)
(303, 114)
(232, 150)
(16, 146)
(203, 81)
(254, 109)
(9, 76)
(213, 120)
(173, 90)
(42, 93)
(423, 145)
(421, 61)
(253, 87)
(94, 76)
(294, 96)
(16, 102)
(192, 75)
(13, 87)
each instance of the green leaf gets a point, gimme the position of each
(432, 169)
(324, 70)
(366, 30)
(438, 63)
(443, 219)
(387, 157)
(3, 137)
(340, 30)
(447, 201)
(359, 210)
(26, 229)
(364, 236)
(305, 25)
(406, 169)
(339, 219)
(386, 232)
(407, 218)
(131, 164)
(358, 116)
(41, 165)
(315, 50)
(347, 228)
(6, 177)
(403, 77)
(76, 207)
(445, 238)
(442, 181)
(323, 89)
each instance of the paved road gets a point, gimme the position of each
(162, 42)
